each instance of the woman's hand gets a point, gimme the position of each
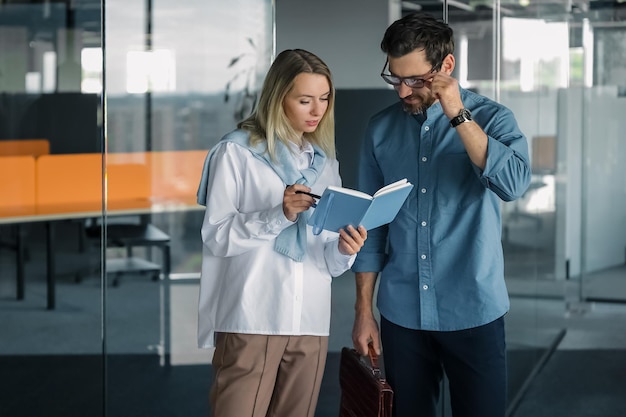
(294, 203)
(351, 240)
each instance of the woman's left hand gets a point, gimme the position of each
(351, 240)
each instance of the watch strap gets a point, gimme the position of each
(463, 116)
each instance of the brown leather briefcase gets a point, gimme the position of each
(364, 392)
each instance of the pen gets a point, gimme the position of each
(311, 194)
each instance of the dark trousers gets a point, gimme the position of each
(474, 361)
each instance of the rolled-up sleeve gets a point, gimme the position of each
(507, 172)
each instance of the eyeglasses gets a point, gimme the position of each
(412, 82)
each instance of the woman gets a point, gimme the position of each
(266, 279)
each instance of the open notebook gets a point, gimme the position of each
(338, 207)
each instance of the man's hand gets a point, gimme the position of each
(364, 331)
(446, 89)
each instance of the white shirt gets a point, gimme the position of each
(246, 286)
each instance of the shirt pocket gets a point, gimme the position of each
(458, 186)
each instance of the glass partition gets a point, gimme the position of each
(179, 75)
(107, 110)
(599, 272)
(51, 321)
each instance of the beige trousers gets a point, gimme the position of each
(267, 376)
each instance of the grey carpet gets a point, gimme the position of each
(72, 386)
(578, 383)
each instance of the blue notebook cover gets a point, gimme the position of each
(340, 207)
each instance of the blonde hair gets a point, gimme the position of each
(269, 121)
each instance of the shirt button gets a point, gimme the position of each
(424, 159)
(278, 222)
(423, 223)
(425, 287)
(426, 128)
(423, 256)
(423, 190)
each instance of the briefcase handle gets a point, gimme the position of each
(373, 360)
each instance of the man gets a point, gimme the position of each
(442, 295)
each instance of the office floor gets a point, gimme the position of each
(49, 352)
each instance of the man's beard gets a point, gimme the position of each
(421, 108)
(412, 109)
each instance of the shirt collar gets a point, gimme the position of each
(308, 148)
(305, 149)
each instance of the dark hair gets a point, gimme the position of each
(419, 31)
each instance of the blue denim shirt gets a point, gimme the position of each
(441, 258)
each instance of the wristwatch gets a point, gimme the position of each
(464, 116)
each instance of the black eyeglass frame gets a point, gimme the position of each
(411, 82)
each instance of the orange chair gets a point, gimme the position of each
(176, 174)
(15, 147)
(75, 180)
(129, 186)
(17, 182)
(128, 182)
(67, 181)
(128, 179)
